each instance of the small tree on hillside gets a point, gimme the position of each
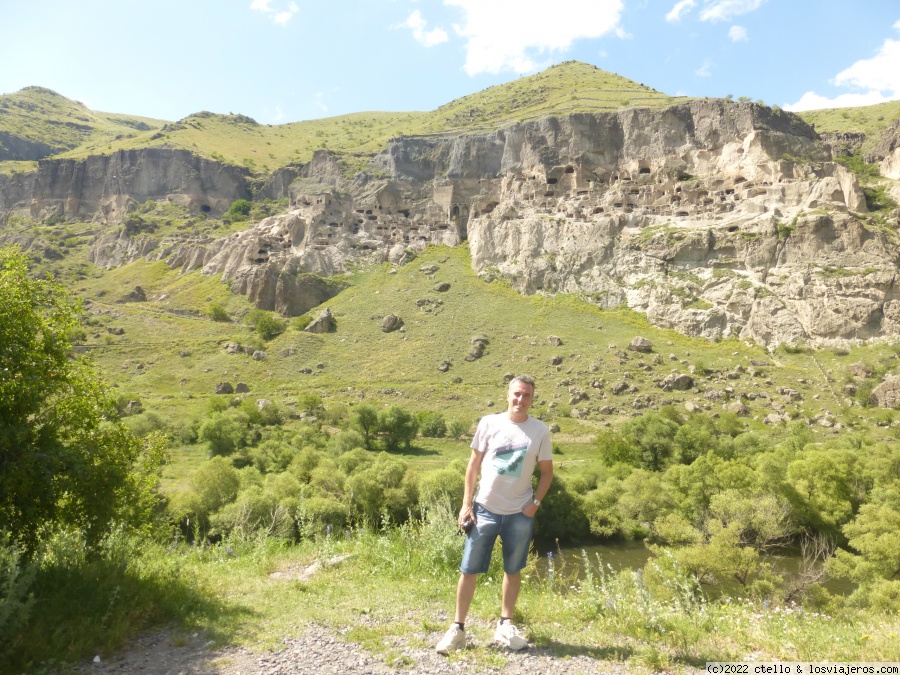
(399, 427)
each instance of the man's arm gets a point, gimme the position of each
(543, 486)
(472, 470)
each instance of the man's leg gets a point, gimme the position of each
(511, 584)
(465, 591)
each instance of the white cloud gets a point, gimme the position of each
(498, 38)
(429, 38)
(723, 10)
(813, 101)
(713, 10)
(738, 34)
(280, 17)
(680, 8)
(875, 80)
(705, 70)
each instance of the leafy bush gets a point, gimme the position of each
(216, 312)
(224, 432)
(432, 425)
(458, 428)
(239, 210)
(264, 323)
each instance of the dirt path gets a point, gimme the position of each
(321, 652)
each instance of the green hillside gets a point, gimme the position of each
(75, 131)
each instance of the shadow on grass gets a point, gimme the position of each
(95, 607)
(618, 653)
(565, 650)
(414, 451)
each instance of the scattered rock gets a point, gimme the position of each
(619, 388)
(391, 323)
(241, 388)
(444, 366)
(260, 355)
(116, 331)
(324, 323)
(738, 408)
(677, 382)
(555, 341)
(641, 344)
(554, 428)
(442, 287)
(224, 388)
(233, 348)
(429, 269)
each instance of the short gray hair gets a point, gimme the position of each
(524, 379)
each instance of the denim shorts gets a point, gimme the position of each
(515, 536)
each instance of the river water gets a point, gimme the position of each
(569, 561)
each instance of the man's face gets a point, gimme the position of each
(520, 398)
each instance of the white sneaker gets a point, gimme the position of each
(454, 638)
(509, 636)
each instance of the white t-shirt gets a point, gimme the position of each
(511, 452)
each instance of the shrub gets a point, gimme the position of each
(218, 313)
(239, 210)
(458, 428)
(224, 433)
(270, 327)
(432, 425)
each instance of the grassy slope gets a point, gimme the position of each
(361, 363)
(871, 120)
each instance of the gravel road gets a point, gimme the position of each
(320, 651)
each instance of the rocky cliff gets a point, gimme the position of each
(714, 218)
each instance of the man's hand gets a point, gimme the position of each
(530, 510)
(466, 512)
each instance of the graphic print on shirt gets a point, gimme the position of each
(509, 459)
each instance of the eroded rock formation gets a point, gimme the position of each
(714, 218)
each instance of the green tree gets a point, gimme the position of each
(399, 427)
(239, 210)
(65, 459)
(365, 420)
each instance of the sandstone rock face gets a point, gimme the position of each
(102, 187)
(713, 218)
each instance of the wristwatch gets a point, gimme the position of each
(536, 502)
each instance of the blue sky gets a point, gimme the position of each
(288, 60)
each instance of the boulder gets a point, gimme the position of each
(554, 341)
(324, 323)
(738, 408)
(887, 394)
(260, 355)
(641, 344)
(391, 323)
(224, 388)
(677, 382)
(442, 287)
(241, 388)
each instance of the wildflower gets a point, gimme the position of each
(865, 637)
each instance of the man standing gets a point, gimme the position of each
(505, 450)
